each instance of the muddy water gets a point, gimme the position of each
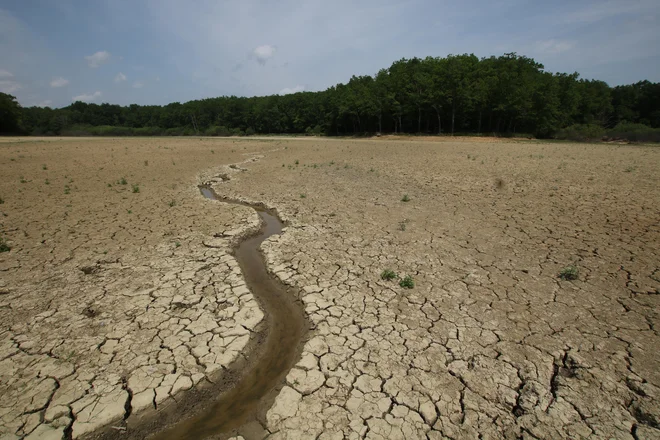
(286, 325)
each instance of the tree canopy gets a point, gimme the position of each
(458, 93)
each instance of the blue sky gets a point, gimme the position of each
(159, 51)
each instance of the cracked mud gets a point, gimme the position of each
(107, 314)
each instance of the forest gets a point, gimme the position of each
(508, 95)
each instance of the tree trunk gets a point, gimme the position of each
(419, 119)
(453, 117)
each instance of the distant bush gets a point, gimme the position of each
(249, 131)
(634, 132)
(215, 130)
(581, 132)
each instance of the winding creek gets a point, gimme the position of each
(286, 325)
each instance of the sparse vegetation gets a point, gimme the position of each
(172, 203)
(44, 167)
(569, 273)
(67, 189)
(407, 282)
(630, 169)
(4, 247)
(303, 196)
(405, 198)
(388, 275)
(297, 162)
(136, 188)
(123, 181)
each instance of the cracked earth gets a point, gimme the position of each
(115, 303)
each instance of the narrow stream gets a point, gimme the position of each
(286, 326)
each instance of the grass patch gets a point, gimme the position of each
(136, 189)
(123, 181)
(407, 282)
(569, 273)
(388, 275)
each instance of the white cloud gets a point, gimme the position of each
(8, 86)
(98, 58)
(553, 47)
(59, 82)
(5, 74)
(263, 53)
(46, 103)
(120, 77)
(296, 89)
(87, 97)
(138, 84)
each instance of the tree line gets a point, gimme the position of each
(506, 95)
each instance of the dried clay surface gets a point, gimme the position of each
(106, 312)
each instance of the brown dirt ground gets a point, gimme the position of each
(490, 341)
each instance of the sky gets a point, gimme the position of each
(160, 51)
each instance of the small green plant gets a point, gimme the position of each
(405, 198)
(23, 180)
(569, 273)
(67, 189)
(212, 151)
(44, 167)
(47, 182)
(4, 247)
(2, 201)
(177, 244)
(297, 162)
(130, 212)
(402, 225)
(123, 181)
(109, 185)
(146, 163)
(136, 189)
(371, 170)
(388, 275)
(630, 169)
(172, 203)
(407, 282)
(303, 196)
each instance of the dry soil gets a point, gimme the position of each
(118, 300)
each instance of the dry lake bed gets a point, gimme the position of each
(454, 288)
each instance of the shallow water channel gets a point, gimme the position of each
(286, 325)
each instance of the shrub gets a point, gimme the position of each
(388, 275)
(405, 198)
(136, 188)
(569, 273)
(634, 132)
(407, 282)
(123, 181)
(581, 132)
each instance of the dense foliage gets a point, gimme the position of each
(460, 93)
